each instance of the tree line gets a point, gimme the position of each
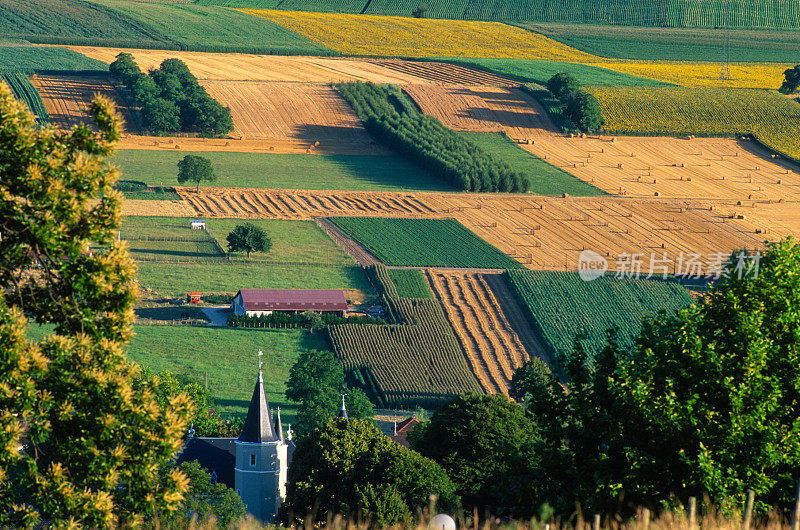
(308, 319)
(390, 118)
(171, 98)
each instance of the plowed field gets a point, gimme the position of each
(701, 168)
(483, 108)
(67, 98)
(239, 66)
(540, 232)
(493, 347)
(306, 112)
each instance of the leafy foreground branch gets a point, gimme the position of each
(81, 442)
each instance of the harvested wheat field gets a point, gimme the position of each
(135, 207)
(700, 168)
(446, 73)
(297, 111)
(484, 108)
(240, 66)
(67, 98)
(540, 232)
(493, 345)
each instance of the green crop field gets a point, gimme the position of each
(414, 361)
(774, 14)
(313, 172)
(167, 279)
(424, 243)
(676, 111)
(560, 305)
(537, 71)
(149, 25)
(298, 242)
(544, 178)
(24, 91)
(675, 44)
(205, 28)
(292, 241)
(410, 283)
(30, 59)
(227, 356)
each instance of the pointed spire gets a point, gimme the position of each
(343, 412)
(258, 424)
(279, 425)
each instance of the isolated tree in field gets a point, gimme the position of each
(194, 168)
(420, 10)
(705, 403)
(563, 86)
(92, 447)
(349, 467)
(791, 80)
(247, 237)
(488, 447)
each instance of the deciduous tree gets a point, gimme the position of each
(194, 168)
(91, 446)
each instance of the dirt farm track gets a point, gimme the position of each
(540, 232)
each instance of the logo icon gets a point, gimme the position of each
(591, 265)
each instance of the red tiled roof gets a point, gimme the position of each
(406, 425)
(293, 300)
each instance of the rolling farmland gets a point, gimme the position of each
(703, 112)
(31, 59)
(67, 98)
(701, 168)
(539, 232)
(415, 37)
(423, 243)
(485, 109)
(493, 348)
(305, 113)
(414, 361)
(673, 14)
(239, 67)
(560, 305)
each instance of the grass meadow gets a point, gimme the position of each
(544, 178)
(30, 59)
(285, 171)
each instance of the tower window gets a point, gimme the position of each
(252, 460)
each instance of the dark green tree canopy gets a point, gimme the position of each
(488, 447)
(349, 467)
(162, 116)
(584, 111)
(205, 499)
(791, 80)
(563, 86)
(247, 237)
(194, 168)
(316, 381)
(705, 404)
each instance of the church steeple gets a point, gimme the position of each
(343, 411)
(279, 425)
(258, 424)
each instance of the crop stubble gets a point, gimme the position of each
(540, 232)
(492, 345)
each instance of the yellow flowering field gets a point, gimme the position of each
(420, 37)
(679, 111)
(751, 75)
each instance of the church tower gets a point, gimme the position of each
(261, 459)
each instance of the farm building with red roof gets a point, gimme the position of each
(257, 302)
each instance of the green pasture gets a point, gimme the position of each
(410, 283)
(301, 171)
(30, 59)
